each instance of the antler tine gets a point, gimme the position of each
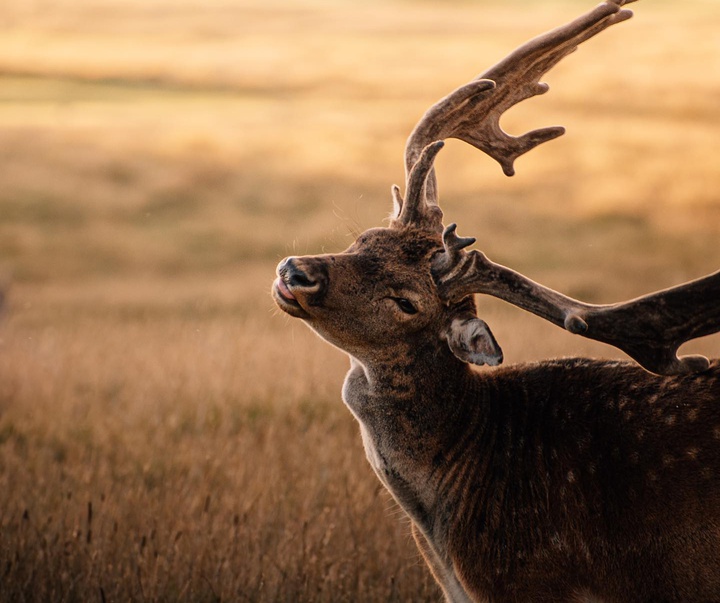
(453, 248)
(472, 112)
(650, 329)
(413, 209)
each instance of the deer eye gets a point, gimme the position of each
(405, 305)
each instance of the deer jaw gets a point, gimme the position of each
(378, 301)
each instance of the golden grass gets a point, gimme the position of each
(165, 434)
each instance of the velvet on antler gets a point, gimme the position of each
(651, 328)
(472, 112)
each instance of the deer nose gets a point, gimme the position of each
(296, 276)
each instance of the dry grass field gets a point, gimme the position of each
(165, 434)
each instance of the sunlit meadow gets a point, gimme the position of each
(165, 433)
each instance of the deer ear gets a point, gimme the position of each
(471, 340)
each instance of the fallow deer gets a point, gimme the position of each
(564, 480)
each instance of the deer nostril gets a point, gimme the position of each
(297, 278)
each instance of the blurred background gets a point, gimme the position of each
(166, 434)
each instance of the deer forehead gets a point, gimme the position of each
(385, 251)
(414, 243)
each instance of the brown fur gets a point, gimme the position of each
(542, 482)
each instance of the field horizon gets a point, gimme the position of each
(166, 434)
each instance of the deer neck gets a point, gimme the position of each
(408, 419)
(404, 379)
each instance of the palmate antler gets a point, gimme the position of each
(650, 329)
(472, 112)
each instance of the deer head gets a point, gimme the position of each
(411, 285)
(380, 294)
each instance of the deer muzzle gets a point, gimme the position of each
(301, 284)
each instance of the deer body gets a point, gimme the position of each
(564, 481)
(552, 481)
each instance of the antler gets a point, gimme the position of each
(650, 329)
(472, 112)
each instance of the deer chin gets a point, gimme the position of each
(286, 301)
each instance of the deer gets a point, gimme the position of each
(563, 480)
